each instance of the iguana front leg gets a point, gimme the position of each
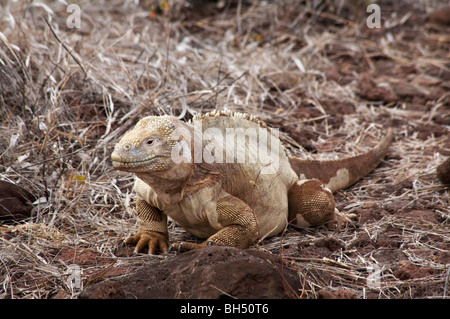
(152, 231)
(237, 223)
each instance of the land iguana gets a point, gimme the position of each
(215, 177)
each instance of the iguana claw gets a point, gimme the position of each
(153, 240)
(185, 246)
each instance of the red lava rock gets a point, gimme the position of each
(110, 290)
(408, 270)
(426, 131)
(332, 73)
(440, 16)
(363, 243)
(443, 172)
(337, 110)
(390, 238)
(369, 90)
(338, 294)
(424, 215)
(388, 256)
(81, 256)
(366, 215)
(304, 137)
(397, 206)
(406, 90)
(398, 188)
(15, 202)
(330, 243)
(212, 272)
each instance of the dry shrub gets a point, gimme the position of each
(67, 95)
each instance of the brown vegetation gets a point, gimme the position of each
(311, 68)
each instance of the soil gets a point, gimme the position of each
(399, 246)
(15, 202)
(224, 272)
(384, 247)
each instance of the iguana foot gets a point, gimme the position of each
(340, 219)
(153, 240)
(185, 246)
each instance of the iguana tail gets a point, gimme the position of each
(340, 174)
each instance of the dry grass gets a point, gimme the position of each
(67, 95)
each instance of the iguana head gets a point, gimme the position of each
(150, 146)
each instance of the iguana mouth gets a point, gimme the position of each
(124, 163)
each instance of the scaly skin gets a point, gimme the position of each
(228, 200)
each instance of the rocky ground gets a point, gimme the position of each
(313, 69)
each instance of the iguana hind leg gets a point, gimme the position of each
(237, 222)
(310, 204)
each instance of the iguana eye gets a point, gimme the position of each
(149, 141)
